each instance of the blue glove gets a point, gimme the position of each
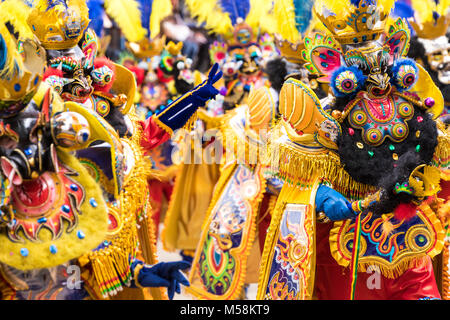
(333, 204)
(180, 111)
(162, 274)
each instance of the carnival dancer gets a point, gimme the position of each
(113, 265)
(239, 57)
(338, 208)
(430, 47)
(228, 253)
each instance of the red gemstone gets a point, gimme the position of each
(33, 192)
(419, 119)
(351, 131)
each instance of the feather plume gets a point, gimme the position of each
(96, 12)
(443, 7)
(235, 9)
(386, 5)
(10, 61)
(284, 13)
(303, 14)
(16, 13)
(423, 10)
(146, 11)
(161, 9)
(207, 12)
(339, 7)
(128, 17)
(261, 16)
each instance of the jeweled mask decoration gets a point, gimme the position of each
(387, 126)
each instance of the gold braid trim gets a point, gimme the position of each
(241, 256)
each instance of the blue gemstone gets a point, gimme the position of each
(93, 202)
(17, 87)
(363, 20)
(364, 38)
(65, 208)
(42, 220)
(36, 80)
(24, 252)
(105, 243)
(74, 187)
(80, 234)
(322, 56)
(53, 249)
(324, 64)
(85, 136)
(355, 40)
(28, 151)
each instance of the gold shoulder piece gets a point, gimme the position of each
(304, 118)
(262, 108)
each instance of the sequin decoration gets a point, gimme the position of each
(346, 82)
(382, 118)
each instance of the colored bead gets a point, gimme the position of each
(65, 208)
(429, 102)
(93, 203)
(74, 187)
(418, 148)
(53, 249)
(391, 147)
(24, 252)
(370, 153)
(42, 220)
(80, 234)
(351, 131)
(419, 119)
(360, 145)
(417, 133)
(395, 156)
(28, 151)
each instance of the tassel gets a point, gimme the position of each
(387, 227)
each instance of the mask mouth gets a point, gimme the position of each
(444, 74)
(378, 92)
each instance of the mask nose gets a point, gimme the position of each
(381, 81)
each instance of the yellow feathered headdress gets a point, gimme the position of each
(222, 16)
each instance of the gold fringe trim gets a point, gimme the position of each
(296, 165)
(111, 266)
(399, 268)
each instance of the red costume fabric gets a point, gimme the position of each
(333, 281)
(153, 135)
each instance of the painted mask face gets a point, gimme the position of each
(72, 82)
(438, 57)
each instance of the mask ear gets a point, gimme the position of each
(397, 39)
(323, 56)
